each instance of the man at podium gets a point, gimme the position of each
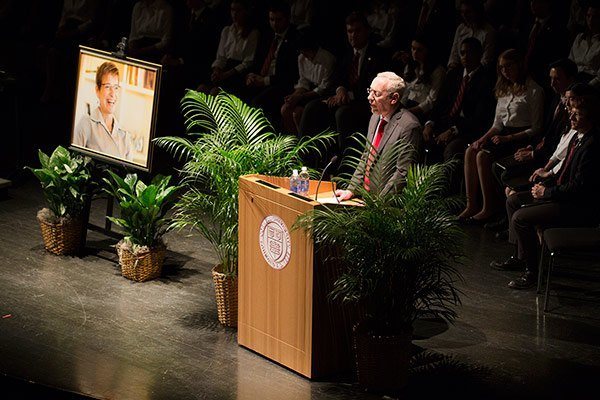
(389, 123)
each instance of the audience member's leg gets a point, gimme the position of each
(524, 225)
(491, 198)
(297, 117)
(471, 184)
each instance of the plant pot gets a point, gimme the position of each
(382, 360)
(143, 265)
(61, 238)
(226, 293)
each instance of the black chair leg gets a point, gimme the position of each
(550, 266)
(541, 268)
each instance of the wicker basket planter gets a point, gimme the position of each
(381, 361)
(226, 293)
(62, 238)
(142, 266)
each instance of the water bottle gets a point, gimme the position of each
(295, 182)
(304, 182)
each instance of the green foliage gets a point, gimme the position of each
(227, 139)
(66, 181)
(399, 249)
(143, 207)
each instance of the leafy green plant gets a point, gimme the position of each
(143, 207)
(399, 250)
(227, 139)
(66, 181)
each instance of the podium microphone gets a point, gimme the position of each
(331, 162)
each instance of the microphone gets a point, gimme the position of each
(331, 162)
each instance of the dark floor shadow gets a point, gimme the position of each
(426, 328)
(206, 320)
(453, 378)
(18, 389)
(175, 270)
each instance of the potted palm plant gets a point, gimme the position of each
(143, 208)
(227, 139)
(399, 252)
(66, 182)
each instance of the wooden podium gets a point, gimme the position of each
(284, 312)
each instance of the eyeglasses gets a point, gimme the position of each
(107, 86)
(374, 92)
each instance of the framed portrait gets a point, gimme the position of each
(116, 102)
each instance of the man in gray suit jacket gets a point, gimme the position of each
(389, 124)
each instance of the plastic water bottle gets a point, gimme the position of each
(304, 182)
(295, 182)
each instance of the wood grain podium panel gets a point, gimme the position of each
(277, 306)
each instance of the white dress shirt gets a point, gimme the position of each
(233, 46)
(485, 34)
(586, 54)
(516, 111)
(316, 75)
(561, 150)
(425, 93)
(152, 19)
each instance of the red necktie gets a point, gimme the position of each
(572, 147)
(374, 149)
(354, 67)
(264, 71)
(459, 96)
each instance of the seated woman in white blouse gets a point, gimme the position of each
(519, 117)
(235, 54)
(586, 48)
(423, 77)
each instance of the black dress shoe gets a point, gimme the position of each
(525, 281)
(510, 264)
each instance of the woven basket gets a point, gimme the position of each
(381, 361)
(143, 266)
(226, 293)
(63, 238)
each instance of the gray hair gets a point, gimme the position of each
(395, 83)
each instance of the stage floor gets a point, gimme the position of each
(75, 324)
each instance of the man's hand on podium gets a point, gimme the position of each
(344, 194)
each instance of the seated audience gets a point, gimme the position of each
(547, 40)
(315, 68)
(279, 67)
(301, 13)
(348, 107)
(464, 108)
(586, 48)
(474, 25)
(569, 200)
(151, 30)
(424, 77)
(197, 38)
(235, 53)
(519, 117)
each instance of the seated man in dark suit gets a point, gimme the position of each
(570, 200)
(350, 110)
(464, 108)
(278, 62)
